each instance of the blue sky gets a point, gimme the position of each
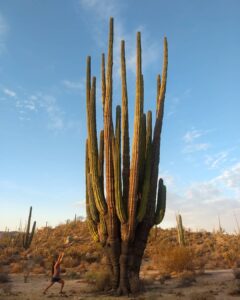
(43, 49)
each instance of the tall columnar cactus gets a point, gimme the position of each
(129, 199)
(180, 231)
(28, 235)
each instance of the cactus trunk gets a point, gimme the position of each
(125, 202)
(28, 234)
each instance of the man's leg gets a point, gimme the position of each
(50, 284)
(62, 285)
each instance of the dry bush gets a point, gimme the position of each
(101, 279)
(38, 270)
(4, 277)
(176, 259)
(73, 275)
(70, 262)
(16, 268)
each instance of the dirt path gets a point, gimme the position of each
(214, 284)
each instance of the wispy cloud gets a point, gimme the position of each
(230, 177)
(74, 85)
(201, 202)
(174, 101)
(196, 147)
(38, 102)
(191, 143)
(191, 135)
(55, 114)
(216, 160)
(102, 11)
(9, 93)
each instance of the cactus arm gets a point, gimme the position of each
(155, 157)
(158, 91)
(147, 172)
(120, 208)
(102, 230)
(87, 170)
(92, 206)
(93, 230)
(93, 152)
(125, 128)
(103, 81)
(142, 153)
(108, 133)
(161, 203)
(101, 160)
(92, 226)
(134, 171)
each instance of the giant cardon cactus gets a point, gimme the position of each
(125, 201)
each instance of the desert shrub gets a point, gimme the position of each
(70, 262)
(38, 259)
(176, 259)
(38, 270)
(4, 277)
(16, 268)
(102, 279)
(73, 275)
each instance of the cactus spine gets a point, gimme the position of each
(28, 235)
(126, 202)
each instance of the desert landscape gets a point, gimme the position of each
(123, 115)
(205, 268)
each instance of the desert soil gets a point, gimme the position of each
(213, 284)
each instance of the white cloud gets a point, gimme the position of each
(102, 11)
(216, 160)
(9, 93)
(196, 148)
(230, 177)
(27, 104)
(74, 85)
(201, 202)
(55, 114)
(192, 135)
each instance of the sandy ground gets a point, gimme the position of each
(214, 284)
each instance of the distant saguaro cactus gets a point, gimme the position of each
(180, 230)
(124, 203)
(28, 235)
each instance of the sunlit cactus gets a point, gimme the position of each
(180, 231)
(124, 197)
(28, 234)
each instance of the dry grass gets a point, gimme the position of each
(175, 259)
(100, 279)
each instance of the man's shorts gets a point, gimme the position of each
(56, 279)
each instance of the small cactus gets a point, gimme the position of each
(28, 235)
(180, 231)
